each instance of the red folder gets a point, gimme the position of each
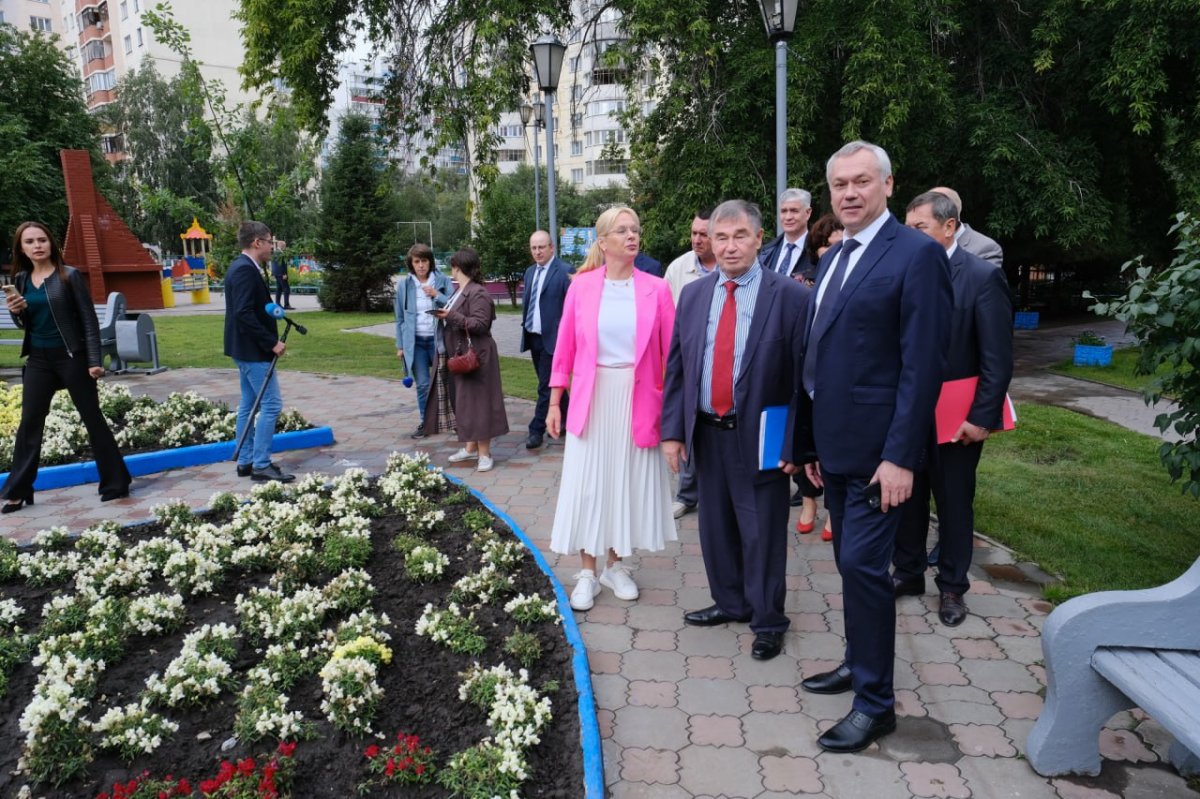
(954, 403)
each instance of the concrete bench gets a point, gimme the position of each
(1113, 650)
(108, 314)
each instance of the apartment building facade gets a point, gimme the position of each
(31, 15)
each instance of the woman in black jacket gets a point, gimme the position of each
(62, 341)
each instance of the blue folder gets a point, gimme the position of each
(771, 427)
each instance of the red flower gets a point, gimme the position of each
(209, 786)
(246, 767)
(420, 769)
(286, 749)
(390, 769)
(371, 751)
(183, 788)
(103, 796)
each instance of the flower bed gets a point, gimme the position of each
(139, 423)
(385, 636)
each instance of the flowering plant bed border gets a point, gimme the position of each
(143, 463)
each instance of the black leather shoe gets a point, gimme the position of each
(766, 645)
(837, 681)
(272, 472)
(711, 617)
(245, 469)
(419, 432)
(533, 441)
(109, 496)
(952, 610)
(797, 499)
(914, 586)
(856, 732)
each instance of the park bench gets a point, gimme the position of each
(108, 314)
(1113, 650)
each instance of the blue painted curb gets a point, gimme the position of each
(143, 463)
(589, 726)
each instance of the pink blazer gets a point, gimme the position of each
(575, 351)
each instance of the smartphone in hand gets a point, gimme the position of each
(874, 495)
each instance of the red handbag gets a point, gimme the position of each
(464, 362)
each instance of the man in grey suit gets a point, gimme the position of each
(735, 351)
(970, 239)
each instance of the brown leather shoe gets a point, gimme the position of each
(952, 610)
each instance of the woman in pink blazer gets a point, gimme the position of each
(614, 495)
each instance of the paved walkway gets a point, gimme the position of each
(686, 712)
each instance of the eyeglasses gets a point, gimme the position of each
(625, 231)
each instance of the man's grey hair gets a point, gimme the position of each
(796, 195)
(881, 156)
(736, 209)
(249, 231)
(941, 206)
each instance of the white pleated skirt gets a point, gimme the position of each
(613, 494)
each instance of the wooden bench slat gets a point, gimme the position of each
(1164, 683)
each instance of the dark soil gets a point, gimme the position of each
(420, 686)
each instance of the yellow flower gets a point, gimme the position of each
(365, 647)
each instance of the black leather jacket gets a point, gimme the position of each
(73, 312)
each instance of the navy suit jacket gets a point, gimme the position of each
(771, 362)
(550, 300)
(250, 332)
(980, 340)
(774, 249)
(879, 359)
(648, 264)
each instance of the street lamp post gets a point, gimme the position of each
(535, 112)
(415, 226)
(547, 64)
(779, 16)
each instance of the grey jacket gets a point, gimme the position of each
(978, 244)
(406, 311)
(73, 312)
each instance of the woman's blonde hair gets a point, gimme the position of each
(604, 225)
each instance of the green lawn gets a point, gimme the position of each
(198, 341)
(1119, 374)
(1085, 499)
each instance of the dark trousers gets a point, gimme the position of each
(543, 360)
(46, 371)
(743, 531)
(863, 541)
(283, 289)
(951, 481)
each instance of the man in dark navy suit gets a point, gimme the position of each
(872, 368)
(980, 345)
(785, 254)
(648, 265)
(252, 341)
(735, 351)
(546, 282)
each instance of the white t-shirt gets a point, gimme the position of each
(617, 328)
(425, 323)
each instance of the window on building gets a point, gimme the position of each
(100, 81)
(93, 51)
(139, 37)
(114, 143)
(510, 131)
(576, 120)
(1, 17)
(42, 24)
(124, 11)
(576, 147)
(611, 167)
(577, 176)
(576, 92)
(129, 44)
(510, 156)
(137, 6)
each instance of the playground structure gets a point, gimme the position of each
(191, 272)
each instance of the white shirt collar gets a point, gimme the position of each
(962, 228)
(952, 248)
(865, 236)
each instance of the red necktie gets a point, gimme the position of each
(722, 373)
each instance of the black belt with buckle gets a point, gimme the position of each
(720, 422)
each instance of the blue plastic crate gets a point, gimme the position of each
(1026, 320)
(1093, 355)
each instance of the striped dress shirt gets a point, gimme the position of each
(746, 295)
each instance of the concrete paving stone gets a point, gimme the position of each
(935, 780)
(996, 605)
(644, 664)
(718, 770)
(959, 704)
(790, 795)
(699, 580)
(822, 566)
(805, 602)
(1150, 731)
(807, 623)
(604, 720)
(705, 667)
(821, 646)
(774, 699)
(972, 627)
(1037, 607)
(1018, 731)
(997, 675)
(721, 697)
(1125, 745)
(657, 562)
(912, 625)
(836, 622)
(656, 640)
(611, 690)
(690, 564)
(653, 766)
(1021, 649)
(1125, 721)
(1018, 704)
(689, 548)
(654, 617)
(909, 704)
(604, 662)
(779, 670)
(834, 601)
(977, 648)
(694, 598)
(794, 775)
(658, 597)
(607, 637)
(652, 693)
(982, 740)
(797, 582)
(793, 734)
(924, 740)
(996, 778)
(658, 578)
(826, 583)
(926, 649)
(1156, 783)
(866, 774)
(640, 790)
(713, 730)
(1073, 790)
(825, 709)
(1003, 626)
(657, 727)
(607, 613)
(720, 641)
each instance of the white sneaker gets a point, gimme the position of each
(485, 464)
(463, 455)
(618, 579)
(680, 509)
(586, 588)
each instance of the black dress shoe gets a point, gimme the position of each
(913, 586)
(272, 472)
(419, 432)
(766, 645)
(533, 441)
(245, 469)
(14, 505)
(109, 496)
(952, 610)
(837, 681)
(797, 499)
(711, 617)
(856, 732)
